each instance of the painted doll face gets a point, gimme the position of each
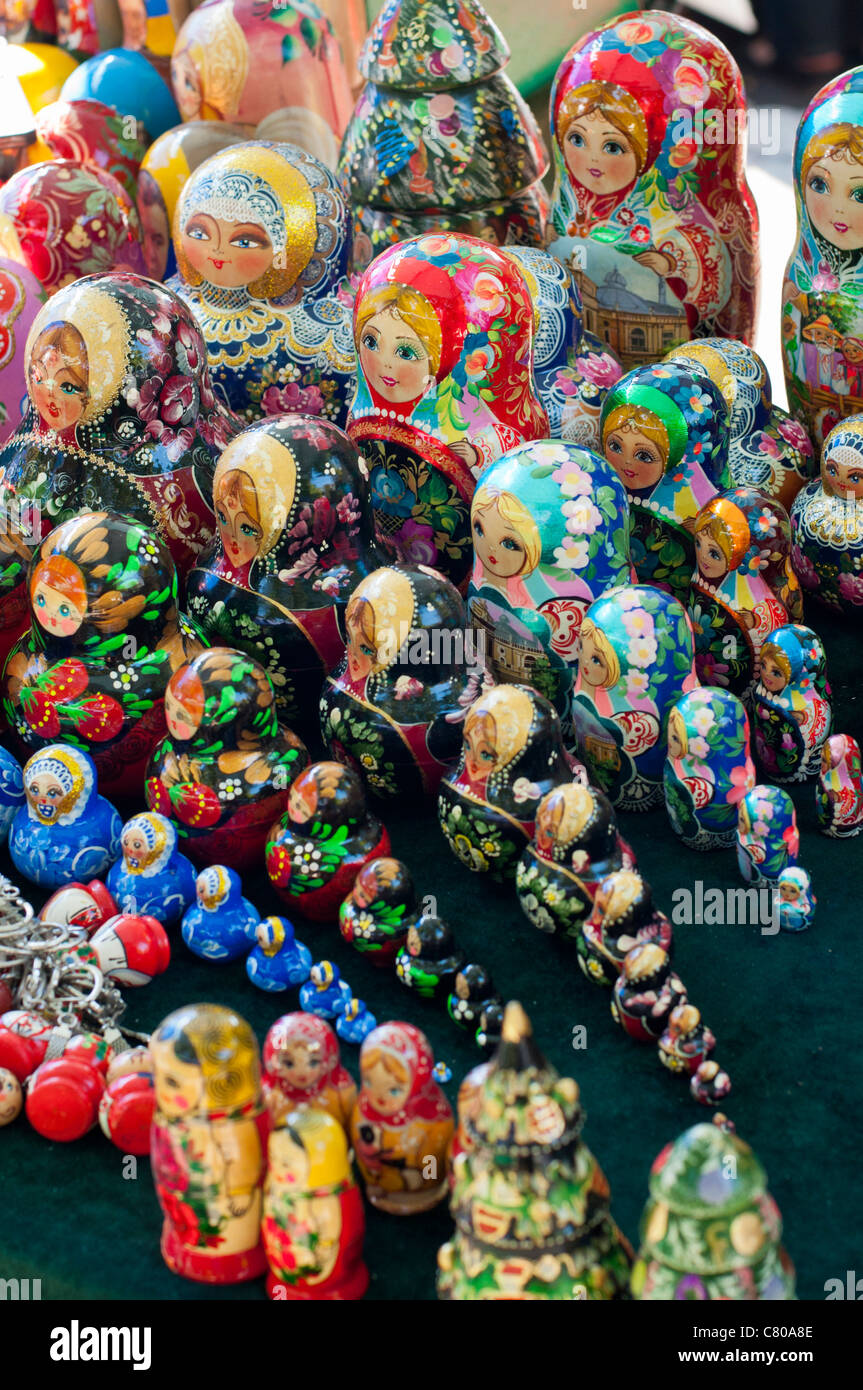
(635, 458)
(56, 391)
(498, 546)
(11, 1097)
(843, 479)
(181, 723)
(133, 14)
(394, 360)
(289, 1163)
(834, 201)
(772, 675)
(387, 1090)
(239, 532)
(789, 892)
(598, 155)
(362, 654)
(45, 794)
(135, 847)
(56, 612)
(179, 1085)
(301, 1066)
(186, 84)
(709, 558)
(592, 665)
(230, 254)
(302, 803)
(157, 236)
(547, 821)
(852, 350)
(480, 754)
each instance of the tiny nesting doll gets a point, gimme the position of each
(104, 641)
(314, 1222)
(293, 536)
(708, 769)
(221, 924)
(325, 993)
(645, 992)
(710, 1085)
(65, 830)
(792, 714)
(21, 297)
(472, 991)
(94, 133)
(223, 772)
(302, 1066)
(550, 525)
(822, 294)
(636, 658)
(767, 837)
(278, 960)
(152, 878)
(796, 899)
(164, 170)
(665, 432)
(839, 794)
(208, 1141)
(430, 958)
(827, 519)
(393, 708)
(323, 840)
(355, 1022)
(623, 917)
(686, 1041)
(512, 754)
(262, 239)
(11, 791)
(402, 1123)
(743, 585)
(656, 219)
(379, 911)
(444, 332)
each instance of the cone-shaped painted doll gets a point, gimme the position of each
(623, 917)
(827, 519)
(64, 830)
(221, 924)
(839, 794)
(645, 992)
(152, 878)
(302, 1066)
(767, 837)
(709, 768)
(792, 714)
(379, 911)
(164, 172)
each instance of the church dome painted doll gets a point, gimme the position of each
(767, 837)
(708, 769)
(444, 329)
(65, 830)
(262, 239)
(293, 536)
(636, 657)
(163, 174)
(380, 910)
(792, 714)
(302, 1066)
(839, 794)
(827, 520)
(152, 878)
(223, 771)
(665, 431)
(104, 639)
(393, 708)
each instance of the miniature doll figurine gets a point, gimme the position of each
(401, 1121)
(64, 830)
(85, 905)
(105, 637)
(827, 519)
(21, 298)
(665, 432)
(839, 793)
(11, 792)
(325, 994)
(278, 960)
(294, 535)
(302, 1066)
(512, 755)
(430, 959)
(444, 331)
(661, 226)
(822, 313)
(262, 240)
(767, 837)
(796, 900)
(686, 1042)
(153, 878)
(623, 916)
(473, 990)
(324, 838)
(709, 768)
(709, 1084)
(131, 949)
(208, 1144)
(392, 709)
(379, 911)
(11, 1097)
(550, 525)
(487, 1035)
(355, 1022)
(314, 1222)
(636, 658)
(792, 714)
(645, 992)
(221, 924)
(164, 170)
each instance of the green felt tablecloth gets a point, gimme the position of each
(785, 1010)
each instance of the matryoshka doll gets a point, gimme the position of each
(104, 641)
(512, 755)
(314, 1222)
(623, 917)
(796, 899)
(827, 520)
(792, 714)
(393, 708)
(767, 837)
(430, 958)
(444, 330)
(402, 1123)
(65, 830)
(379, 911)
(822, 294)
(550, 526)
(223, 771)
(21, 297)
(645, 992)
(302, 1066)
(709, 768)
(152, 878)
(839, 793)
(636, 658)
(686, 1041)
(651, 207)
(208, 1144)
(316, 850)
(665, 432)
(96, 135)
(293, 535)
(31, 22)
(163, 174)
(148, 28)
(262, 240)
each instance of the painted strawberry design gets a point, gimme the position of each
(157, 796)
(98, 718)
(196, 805)
(278, 865)
(40, 713)
(65, 681)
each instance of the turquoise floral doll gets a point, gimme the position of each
(709, 769)
(796, 900)
(792, 714)
(65, 830)
(827, 521)
(636, 658)
(152, 878)
(839, 794)
(767, 837)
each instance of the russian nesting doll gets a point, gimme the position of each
(223, 772)
(792, 714)
(152, 878)
(665, 432)
(709, 1084)
(827, 521)
(379, 911)
(11, 791)
(623, 916)
(325, 993)
(822, 294)
(164, 170)
(262, 240)
(221, 924)
(148, 29)
(645, 992)
(472, 991)
(302, 1066)
(64, 830)
(709, 768)
(402, 1123)
(839, 793)
(651, 207)
(355, 1022)
(208, 1141)
(686, 1041)
(512, 754)
(796, 899)
(34, 21)
(278, 960)
(94, 133)
(550, 526)
(767, 837)
(636, 658)
(430, 958)
(444, 330)
(21, 297)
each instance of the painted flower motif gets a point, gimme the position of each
(174, 442)
(124, 677)
(640, 235)
(766, 444)
(599, 368)
(704, 719)
(804, 568)
(795, 434)
(572, 554)
(415, 544)
(479, 362)
(642, 651)
(525, 790)
(572, 480)
(582, 517)
(230, 789)
(368, 761)
(280, 400)
(791, 837)
(627, 601)
(490, 848)
(710, 670)
(851, 588)
(699, 747)
(439, 246)
(178, 397)
(364, 924)
(742, 780)
(487, 295)
(552, 896)
(638, 623)
(390, 493)
(536, 914)
(635, 31)
(825, 281)
(683, 153)
(692, 83)
(306, 858)
(637, 684)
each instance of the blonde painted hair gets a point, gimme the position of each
(840, 141)
(414, 310)
(609, 655)
(617, 106)
(516, 515)
(237, 483)
(677, 725)
(718, 531)
(778, 657)
(636, 417)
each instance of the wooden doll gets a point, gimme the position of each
(208, 1144)
(262, 239)
(278, 960)
(767, 837)
(379, 911)
(221, 924)
(11, 791)
(827, 520)
(402, 1123)
(623, 916)
(152, 878)
(839, 794)
(709, 1084)
(444, 330)
(314, 1223)
(709, 768)
(796, 899)
(325, 993)
(792, 714)
(164, 171)
(430, 959)
(645, 992)
(636, 658)
(65, 829)
(686, 1042)
(21, 298)
(96, 134)
(472, 991)
(302, 1066)
(651, 207)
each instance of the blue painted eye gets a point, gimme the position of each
(576, 139)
